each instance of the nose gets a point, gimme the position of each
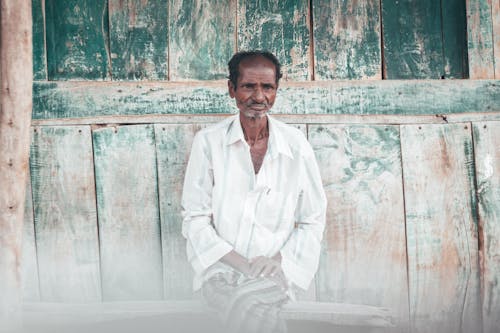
(258, 95)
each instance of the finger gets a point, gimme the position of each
(256, 267)
(269, 269)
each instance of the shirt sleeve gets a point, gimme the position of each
(204, 246)
(300, 254)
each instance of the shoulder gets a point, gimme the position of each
(294, 136)
(213, 131)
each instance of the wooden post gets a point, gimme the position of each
(16, 76)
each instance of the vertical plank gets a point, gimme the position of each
(77, 32)
(487, 158)
(279, 26)
(173, 144)
(454, 28)
(201, 38)
(138, 39)
(127, 205)
(495, 14)
(39, 54)
(347, 39)
(441, 227)
(65, 214)
(413, 47)
(363, 257)
(16, 84)
(31, 291)
(480, 39)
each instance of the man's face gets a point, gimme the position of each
(256, 87)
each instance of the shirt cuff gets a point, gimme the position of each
(295, 273)
(210, 257)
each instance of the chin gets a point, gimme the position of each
(255, 114)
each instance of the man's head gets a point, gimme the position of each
(253, 82)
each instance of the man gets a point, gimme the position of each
(253, 204)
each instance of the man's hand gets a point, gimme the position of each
(270, 268)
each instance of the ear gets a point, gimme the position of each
(231, 88)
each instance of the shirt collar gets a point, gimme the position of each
(277, 143)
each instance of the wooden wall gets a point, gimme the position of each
(400, 100)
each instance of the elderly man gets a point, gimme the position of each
(253, 204)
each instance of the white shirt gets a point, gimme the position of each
(226, 206)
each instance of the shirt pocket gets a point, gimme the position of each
(275, 210)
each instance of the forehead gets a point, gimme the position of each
(257, 67)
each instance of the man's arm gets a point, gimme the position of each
(204, 246)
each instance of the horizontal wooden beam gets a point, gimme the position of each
(288, 118)
(71, 99)
(342, 314)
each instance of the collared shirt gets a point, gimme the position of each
(226, 206)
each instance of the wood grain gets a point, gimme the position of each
(201, 38)
(279, 26)
(347, 40)
(173, 145)
(129, 221)
(38, 31)
(16, 82)
(413, 48)
(76, 40)
(487, 158)
(29, 263)
(441, 222)
(65, 214)
(480, 39)
(82, 99)
(363, 257)
(138, 39)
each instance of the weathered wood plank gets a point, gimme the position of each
(288, 118)
(16, 80)
(347, 40)
(363, 257)
(201, 38)
(413, 48)
(480, 39)
(495, 14)
(31, 291)
(127, 204)
(454, 28)
(138, 39)
(279, 26)
(441, 228)
(487, 158)
(85, 99)
(173, 144)
(65, 214)
(76, 39)
(38, 31)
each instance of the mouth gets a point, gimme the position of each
(258, 107)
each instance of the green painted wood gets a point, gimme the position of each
(347, 39)
(363, 258)
(413, 47)
(38, 31)
(487, 159)
(280, 26)
(454, 27)
(480, 39)
(77, 46)
(127, 204)
(173, 144)
(441, 224)
(201, 38)
(62, 175)
(30, 284)
(495, 14)
(387, 97)
(138, 39)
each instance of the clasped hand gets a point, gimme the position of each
(268, 267)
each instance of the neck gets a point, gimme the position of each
(254, 128)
